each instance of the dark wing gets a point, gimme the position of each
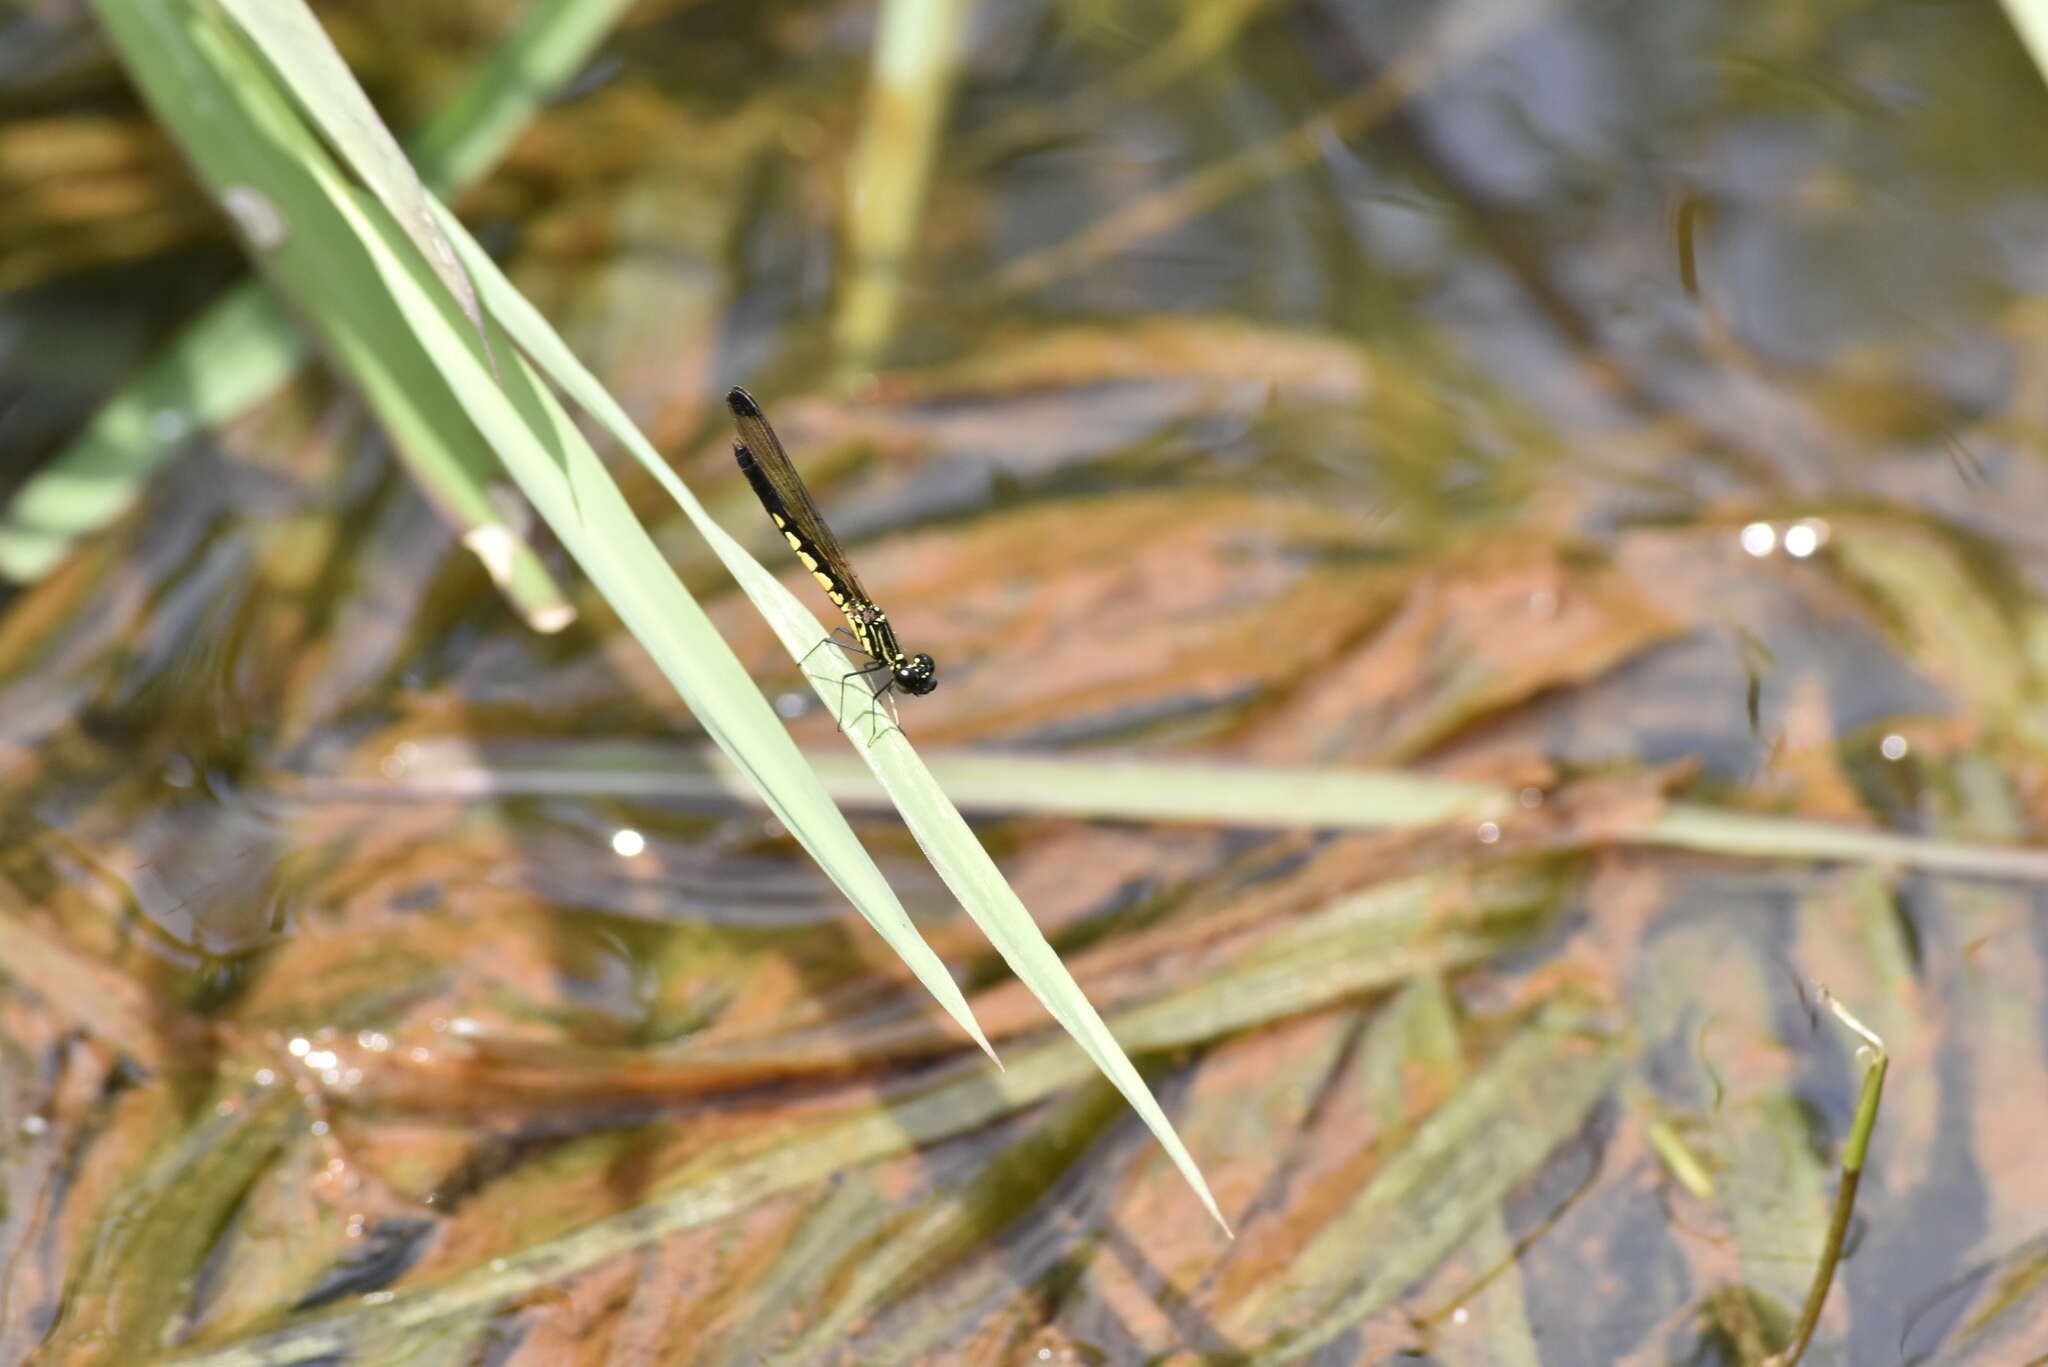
(782, 492)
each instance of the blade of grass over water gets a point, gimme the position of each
(456, 471)
(2030, 20)
(244, 348)
(563, 477)
(308, 67)
(421, 366)
(1147, 790)
(934, 821)
(382, 306)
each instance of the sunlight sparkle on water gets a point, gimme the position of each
(1806, 536)
(628, 842)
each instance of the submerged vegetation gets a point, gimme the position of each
(1487, 565)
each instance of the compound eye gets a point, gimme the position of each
(918, 675)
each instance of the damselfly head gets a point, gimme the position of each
(917, 674)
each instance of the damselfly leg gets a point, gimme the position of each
(878, 695)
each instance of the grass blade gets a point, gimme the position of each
(356, 278)
(1235, 795)
(303, 56)
(244, 348)
(933, 820)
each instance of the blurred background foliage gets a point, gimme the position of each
(1626, 420)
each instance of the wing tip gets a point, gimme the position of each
(741, 403)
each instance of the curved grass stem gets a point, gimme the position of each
(1853, 1155)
